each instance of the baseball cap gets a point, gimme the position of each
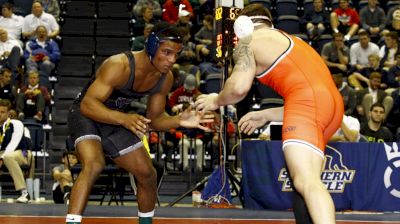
(190, 83)
(184, 12)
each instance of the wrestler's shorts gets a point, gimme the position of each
(311, 118)
(116, 140)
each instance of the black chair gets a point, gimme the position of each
(362, 4)
(308, 6)
(22, 7)
(266, 3)
(80, 9)
(289, 24)
(286, 7)
(213, 83)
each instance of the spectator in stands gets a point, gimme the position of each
(348, 94)
(373, 94)
(63, 178)
(359, 79)
(179, 100)
(8, 90)
(349, 130)
(393, 19)
(11, 22)
(393, 75)
(360, 51)
(171, 9)
(373, 19)
(184, 96)
(184, 19)
(388, 50)
(316, 21)
(147, 17)
(32, 98)
(393, 119)
(52, 7)
(336, 54)
(10, 53)
(14, 150)
(42, 53)
(374, 130)
(187, 57)
(204, 38)
(154, 4)
(345, 20)
(39, 17)
(138, 41)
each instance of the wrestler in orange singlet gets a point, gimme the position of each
(313, 107)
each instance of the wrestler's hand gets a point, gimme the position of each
(190, 118)
(137, 124)
(206, 102)
(251, 121)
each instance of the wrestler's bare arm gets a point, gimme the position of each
(156, 108)
(109, 76)
(241, 79)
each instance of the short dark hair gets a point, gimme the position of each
(5, 103)
(166, 30)
(375, 75)
(257, 9)
(7, 5)
(377, 104)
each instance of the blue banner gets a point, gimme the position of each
(359, 176)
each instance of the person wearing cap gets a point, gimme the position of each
(313, 107)
(179, 100)
(171, 9)
(101, 122)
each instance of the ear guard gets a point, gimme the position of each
(153, 42)
(244, 25)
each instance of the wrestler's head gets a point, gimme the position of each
(163, 45)
(250, 17)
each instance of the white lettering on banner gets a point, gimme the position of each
(335, 176)
(393, 156)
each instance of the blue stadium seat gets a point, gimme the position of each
(308, 6)
(289, 24)
(286, 7)
(213, 83)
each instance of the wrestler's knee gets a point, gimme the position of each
(146, 175)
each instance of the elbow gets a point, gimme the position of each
(84, 107)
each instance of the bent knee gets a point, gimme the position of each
(93, 167)
(146, 174)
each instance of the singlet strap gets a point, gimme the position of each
(131, 59)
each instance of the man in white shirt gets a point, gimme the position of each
(349, 130)
(359, 51)
(10, 52)
(39, 17)
(11, 22)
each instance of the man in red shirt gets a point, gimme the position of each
(345, 20)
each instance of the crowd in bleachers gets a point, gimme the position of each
(30, 52)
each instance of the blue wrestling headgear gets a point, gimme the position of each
(155, 38)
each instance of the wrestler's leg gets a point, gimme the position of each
(139, 164)
(91, 156)
(305, 170)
